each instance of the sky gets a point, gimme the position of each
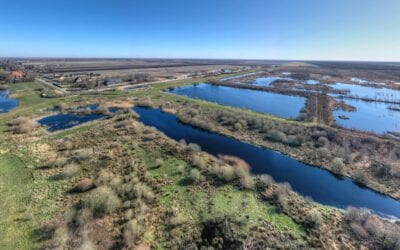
(234, 29)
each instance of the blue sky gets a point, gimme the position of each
(257, 29)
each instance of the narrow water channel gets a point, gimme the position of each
(319, 184)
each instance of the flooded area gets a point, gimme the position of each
(377, 117)
(6, 103)
(267, 81)
(366, 92)
(259, 101)
(321, 185)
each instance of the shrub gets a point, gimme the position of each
(178, 220)
(70, 170)
(193, 147)
(360, 177)
(314, 218)
(58, 162)
(238, 126)
(23, 125)
(356, 215)
(87, 245)
(103, 200)
(276, 136)
(226, 173)
(247, 182)
(61, 236)
(294, 141)
(265, 181)
(195, 175)
(199, 162)
(338, 165)
(181, 169)
(324, 152)
(132, 232)
(358, 230)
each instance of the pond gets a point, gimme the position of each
(6, 103)
(377, 117)
(266, 81)
(259, 101)
(319, 184)
(64, 121)
(379, 94)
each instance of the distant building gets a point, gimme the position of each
(17, 74)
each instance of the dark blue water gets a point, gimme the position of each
(64, 121)
(319, 184)
(6, 104)
(259, 101)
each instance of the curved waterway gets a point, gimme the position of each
(321, 185)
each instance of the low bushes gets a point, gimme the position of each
(366, 225)
(103, 200)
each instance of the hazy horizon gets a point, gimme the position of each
(257, 30)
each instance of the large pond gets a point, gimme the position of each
(380, 94)
(319, 184)
(259, 101)
(377, 117)
(6, 104)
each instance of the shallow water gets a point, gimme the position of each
(370, 116)
(381, 94)
(311, 82)
(319, 184)
(266, 81)
(259, 101)
(6, 103)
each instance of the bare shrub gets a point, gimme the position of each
(133, 231)
(361, 177)
(338, 165)
(356, 215)
(70, 170)
(323, 152)
(22, 125)
(58, 162)
(314, 218)
(103, 200)
(358, 230)
(266, 181)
